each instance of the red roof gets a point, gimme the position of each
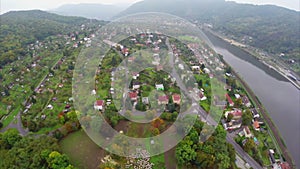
(237, 112)
(176, 97)
(131, 59)
(125, 50)
(285, 165)
(164, 98)
(99, 102)
(256, 124)
(133, 95)
(201, 95)
(229, 99)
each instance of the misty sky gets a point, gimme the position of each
(8, 5)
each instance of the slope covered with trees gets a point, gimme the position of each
(271, 28)
(19, 29)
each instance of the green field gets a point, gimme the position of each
(81, 150)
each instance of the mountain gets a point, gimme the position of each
(94, 11)
(271, 28)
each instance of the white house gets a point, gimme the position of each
(99, 105)
(159, 87)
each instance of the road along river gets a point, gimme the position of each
(280, 98)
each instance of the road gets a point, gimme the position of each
(200, 111)
(211, 121)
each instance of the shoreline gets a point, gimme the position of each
(236, 44)
(274, 132)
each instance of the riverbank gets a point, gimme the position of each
(282, 71)
(274, 133)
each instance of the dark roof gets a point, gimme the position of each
(254, 112)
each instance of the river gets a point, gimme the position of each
(280, 97)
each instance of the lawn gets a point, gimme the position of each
(82, 151)
(158, 161)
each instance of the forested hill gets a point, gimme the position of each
(18, 29)
(271, 28)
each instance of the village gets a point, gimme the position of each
(49, 109)
(241, 118)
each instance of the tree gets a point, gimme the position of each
(29, 152)
(249, 145)
(155, 131)
(140, 106)
(205, 160)
(56, 160)
(229, 117)
(10, 137)
(238, 102)
(72, 116)
(185, 152)
(247, 117)
(158, 123)
(1, 125)
(223, 160)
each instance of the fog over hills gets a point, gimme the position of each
(94, 11)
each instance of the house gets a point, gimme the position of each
(237, 113)
(125, 51)
(259, 120)
(254, 112)
(246, 101)
(136, 85)
(181, 66)
(227, 87)
(232, 125)
(160, 87)
(99, 105)
(271, 156)
(135, 75)
(145, 100)
(159, 67)
(61, 85)
(112, 90)
(237, 96)
(202, 97)
(50, 107)
(247, 132)
(163, 99)
(133, 96)
(256, 126)
(285, 165)
(93, 92)
(176, 98)
(131, 59)
(195, 68)
(206, 70)
(230, 102)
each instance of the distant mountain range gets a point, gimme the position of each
(94, 11)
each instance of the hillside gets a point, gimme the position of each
(19, 29)
(94, 11)
(271, 28)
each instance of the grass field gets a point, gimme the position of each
(82, 151)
